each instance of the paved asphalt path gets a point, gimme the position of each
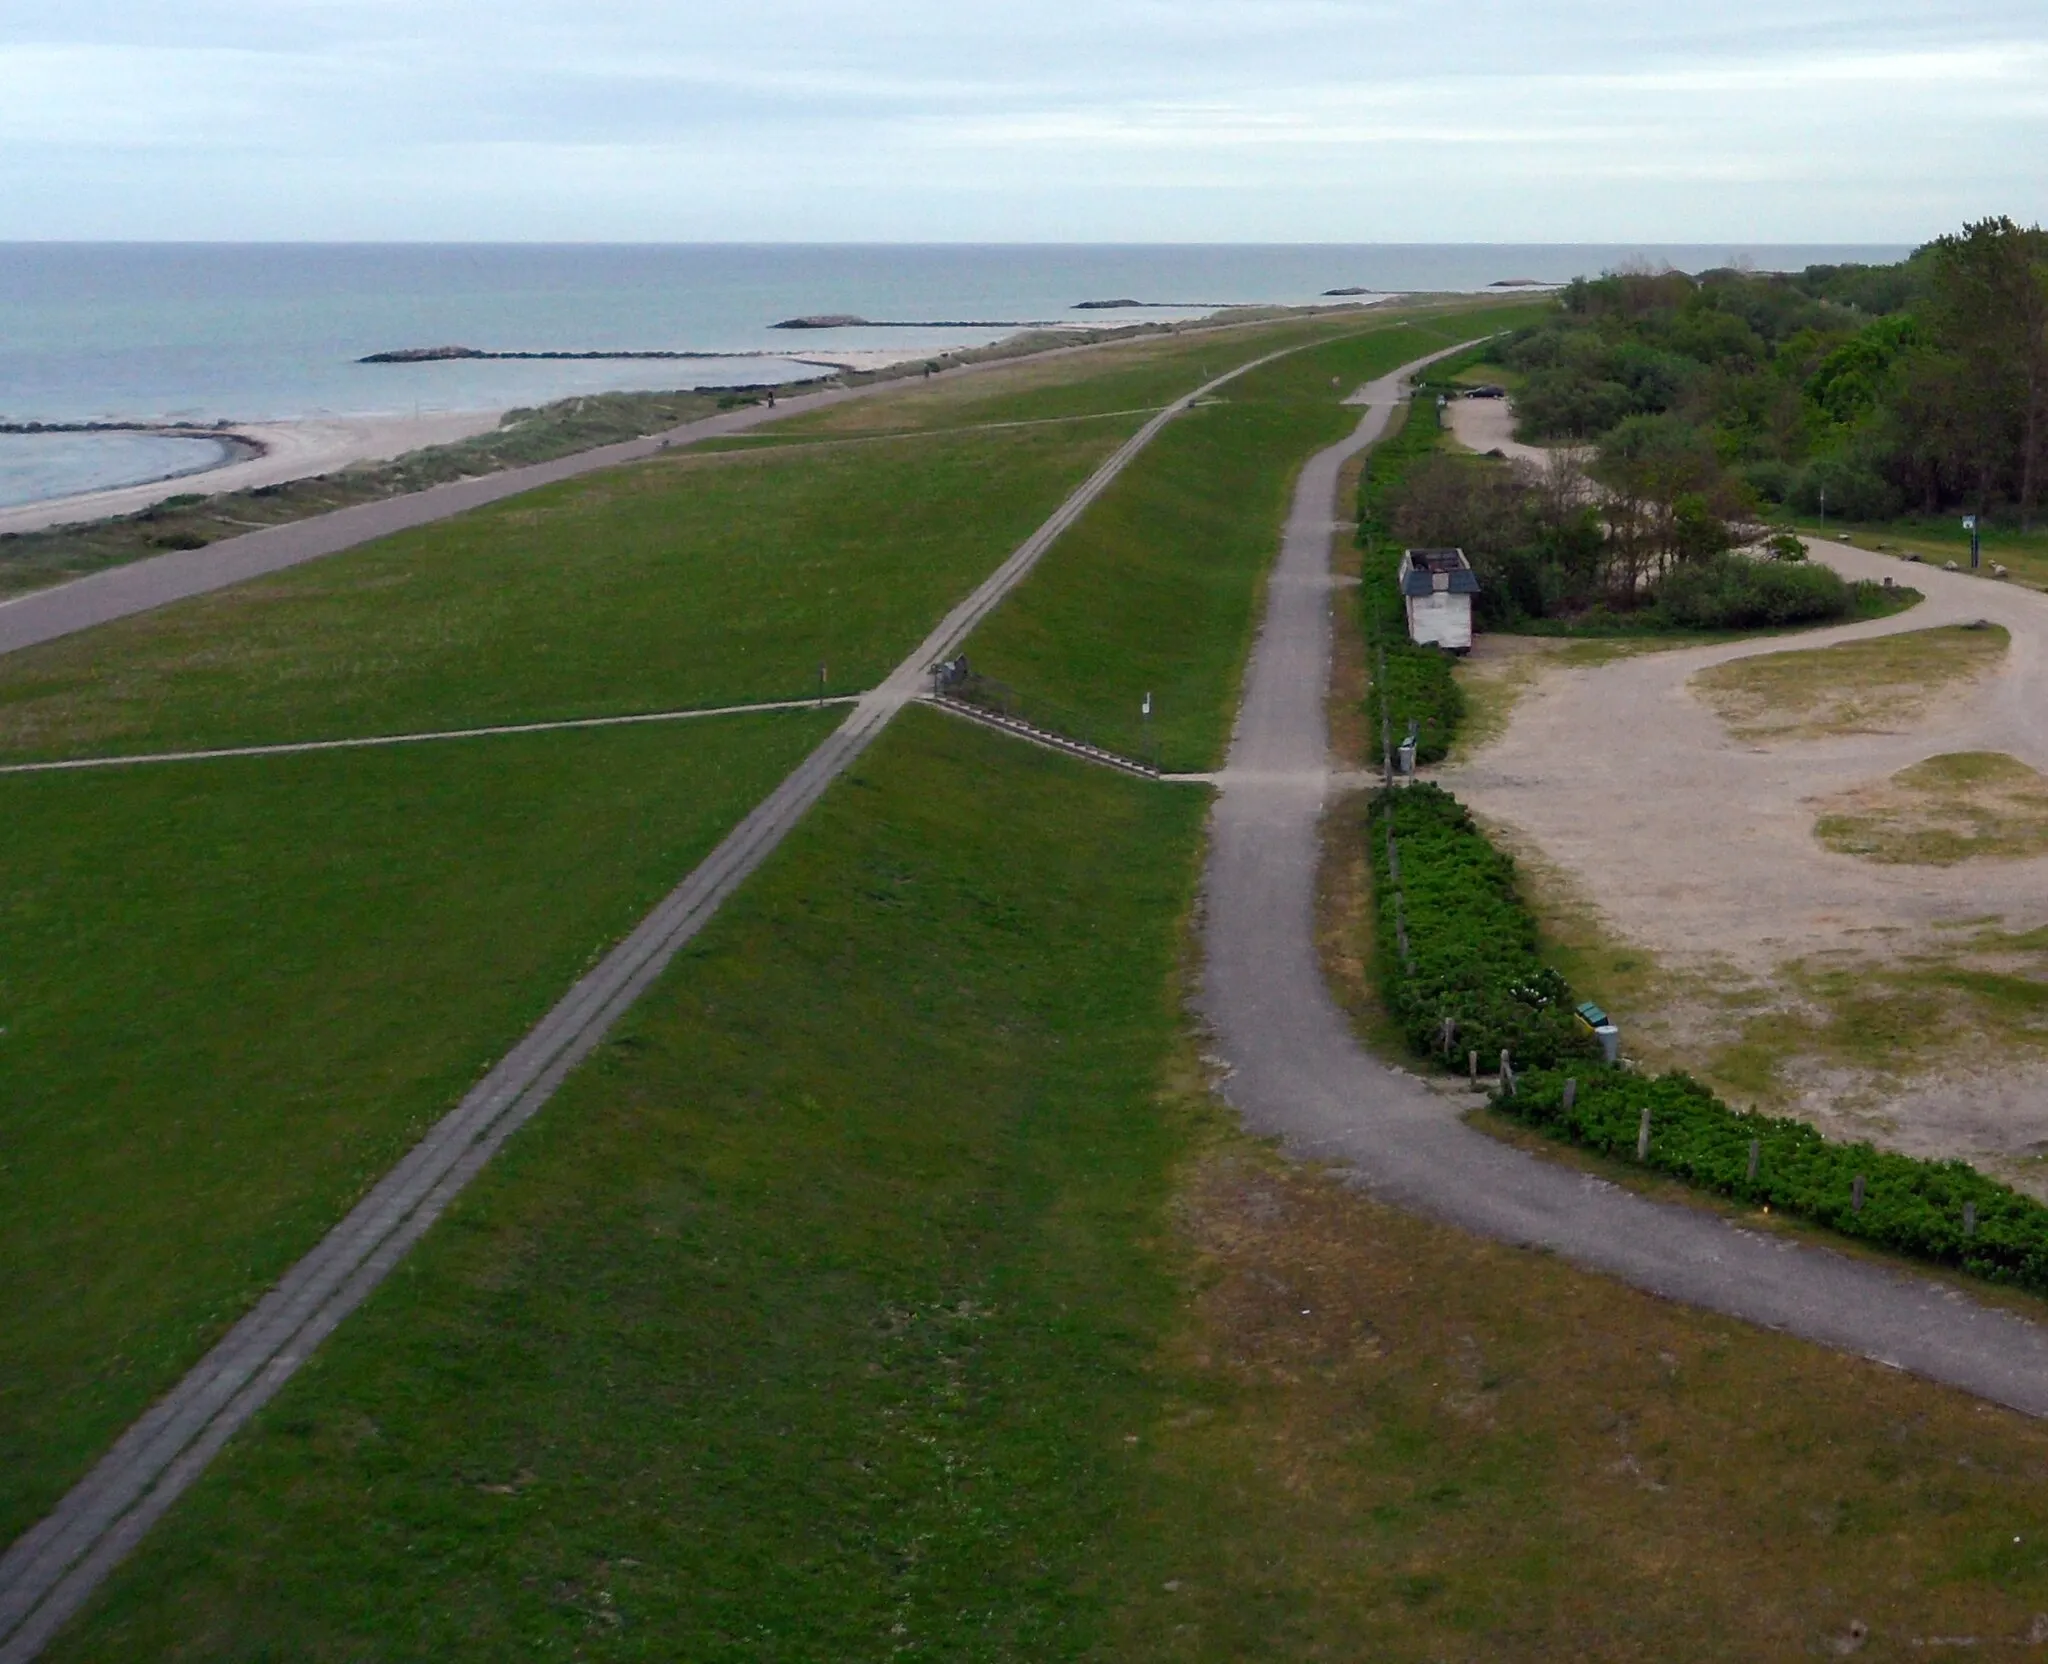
(54, 1567)
(1298, 1072)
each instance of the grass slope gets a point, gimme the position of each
(1157, 589)
(683, 582)
(808, 1322)
(233, 994)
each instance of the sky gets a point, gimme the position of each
(1020, 120)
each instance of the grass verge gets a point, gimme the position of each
(813, 1320)
(234, 993)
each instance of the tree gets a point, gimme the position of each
(1988, 313)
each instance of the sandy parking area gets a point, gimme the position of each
(1701, 847)
(1489, 425)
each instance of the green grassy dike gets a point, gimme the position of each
(234, 994)
(808, 1323)
(1159, 589)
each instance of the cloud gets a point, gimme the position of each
(911, 118)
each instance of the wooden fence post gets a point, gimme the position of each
(1507, 1073)
(1856, 1195)
(1393, 853)
(1969, 1219)
(1643, 1136)
(1756, 1150)
(1472, 1069)
(1571, 1093)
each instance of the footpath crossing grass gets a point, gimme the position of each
(681, 582)
(888, 1288)
(232, 994)
(807, 1323)
(1157, 590)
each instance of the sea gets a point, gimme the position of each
(199, 334)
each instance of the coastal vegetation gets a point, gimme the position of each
(1922, 385)
(1691, 418)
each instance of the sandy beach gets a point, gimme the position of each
(291, 451)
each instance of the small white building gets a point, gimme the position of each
(1437, 586)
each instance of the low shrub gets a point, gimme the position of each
(1734, 592)
(1472, 953)
(1910, 1205)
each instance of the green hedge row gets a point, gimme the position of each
(1911, 1206)
(1416, 684)
(1472, 954)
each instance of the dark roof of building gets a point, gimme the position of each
(1420, 568)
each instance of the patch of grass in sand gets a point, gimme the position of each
(1886, 1021)
(234, 993)
(945, 1313)
(1966, 805)
(1880, 685)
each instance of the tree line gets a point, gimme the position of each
(1870, 391)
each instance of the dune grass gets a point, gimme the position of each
(1876, 686)
(889, 1286)
(232, 994)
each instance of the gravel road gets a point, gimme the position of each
(1299, 1073)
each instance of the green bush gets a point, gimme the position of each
(1472, 951)
(1909, 1205)
(1733, 592)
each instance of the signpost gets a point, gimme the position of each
(1976, 540)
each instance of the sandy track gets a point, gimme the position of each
(1298, 1072)
(53, 1568)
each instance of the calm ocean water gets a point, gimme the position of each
(197, 333)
